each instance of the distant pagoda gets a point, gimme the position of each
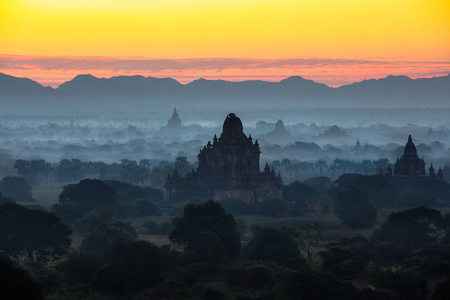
(410, 164)
(229, 168)
(174, 122)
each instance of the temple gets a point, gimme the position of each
(229, 168)
(410, 165)
(175, 122)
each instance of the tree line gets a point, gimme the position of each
(145, 171)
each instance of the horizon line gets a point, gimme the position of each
(55, 70)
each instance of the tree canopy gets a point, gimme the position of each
(355, 208)
(86, 196)
(16, 188)
(413, 227)
(207, 217)
(35, 234)
(271, 244)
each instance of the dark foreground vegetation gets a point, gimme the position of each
(111, 236)
(212, 255)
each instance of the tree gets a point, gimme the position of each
(271, 244)
(343, 263)
(102, 239)
(297, 192)
(27, 169)
(209, 216)
(5, 200)
(321, 164)
(413, 228)
(355, 208)
(69, 170)
(383, 192)
(307, 284)
(209, 248)
(308, 241)
(16, 188)
(85, 196)
(127, 192)
(132, 266)
(78, 266)
(16, 282)
(131, 172)
(35, 234)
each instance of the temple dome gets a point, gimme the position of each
(232, 125)
(410, 148)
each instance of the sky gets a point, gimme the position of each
(335, 42)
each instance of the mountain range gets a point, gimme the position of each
(90, 92)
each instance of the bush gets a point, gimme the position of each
(16, 282)
(271, 244)
(78, 266)
(408, 283)
(102, 239)
(308, 285)
(258, 277)
(342, 262)
(355, 208)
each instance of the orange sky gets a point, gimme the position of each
(330, 41)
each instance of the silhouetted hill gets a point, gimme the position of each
(290, 91)
(134, 87)
(137, 92)
(11, 86)
(397, 91)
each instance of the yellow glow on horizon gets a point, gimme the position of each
(368, 29)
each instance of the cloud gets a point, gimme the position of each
(334, 72)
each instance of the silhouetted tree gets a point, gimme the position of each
(355, 208)
(271, 244)
(413, 228)
(132, 266)
(307, 241)
(35, 234)
(69, 170)
(16, 283)
(78, 266)
(321, 164)
(5, 200)
(85, 196)
(102, 239)
(343, 263)
(211, 217)
(297, 192)
(16, 188)
(209, 248)
(383, 193)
